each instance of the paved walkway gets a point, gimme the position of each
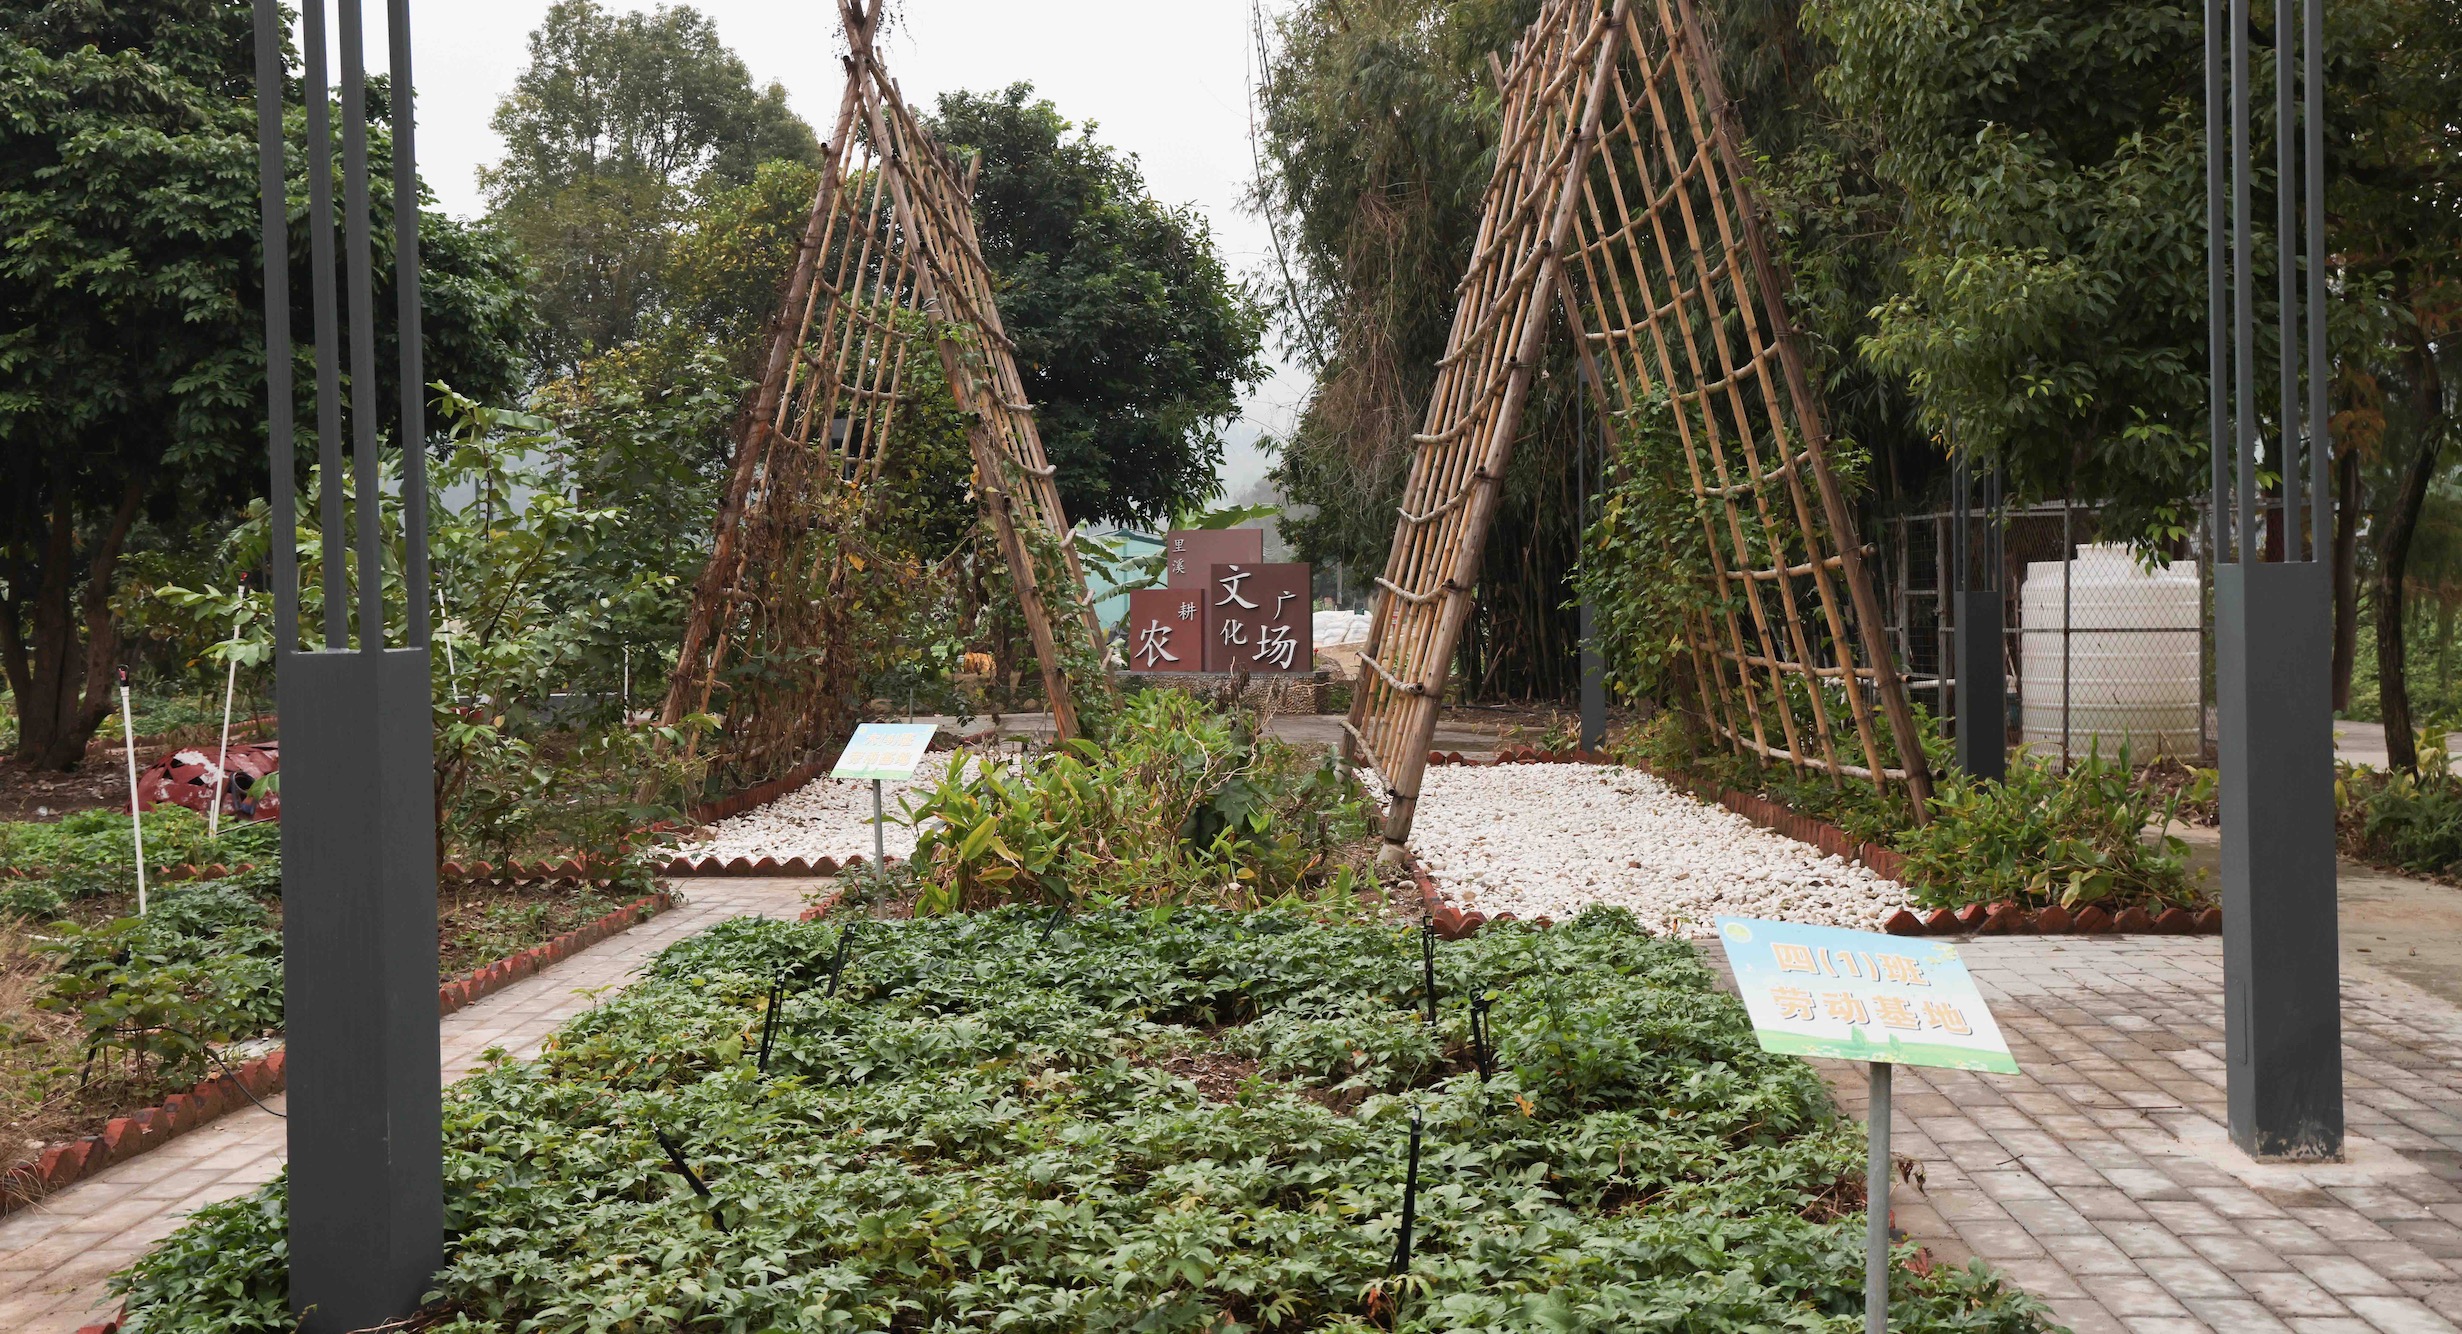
(2102, 1178)
(55, 1256)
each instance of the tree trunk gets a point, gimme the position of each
(64, 690)
(2394, 555)
(2346, 575)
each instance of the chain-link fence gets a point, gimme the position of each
(2099, 649)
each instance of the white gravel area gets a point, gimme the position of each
(1551, 839)
(827, 817)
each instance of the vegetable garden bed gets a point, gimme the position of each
(1170, 1119)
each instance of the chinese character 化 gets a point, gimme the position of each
(1794, 1003)
(1894, 1012)
(1154, 644)
(1275, 645)
(1231, 589)
(1235, 632)
(1846, 1005)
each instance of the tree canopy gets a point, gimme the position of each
(620, 124)
(131, 326)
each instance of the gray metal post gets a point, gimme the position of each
(880, 843)
(2273, 620)
(1593, 663)
(1982, 742)
(358, 831)
(1876, 1203)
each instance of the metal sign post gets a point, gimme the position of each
(1862, 996)
(358, 827)
(1981, 679)
(2273, 598)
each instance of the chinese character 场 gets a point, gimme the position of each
(1274, 645)
(1944, 1016)
(1794, 1003)
(1231, 591)
(1845, 1005)
(1154, 644)
(1894, 1012)
(1795, 958)
(1902, 970)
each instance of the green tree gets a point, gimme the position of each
(618, 126)
(131, 332)
(1132, 340)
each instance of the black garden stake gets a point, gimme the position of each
(769, 1020)
(1427, 955)
(1480, 1050)
(675, 1156)
(837, 966)
(1059, 914)
(1410, 1201)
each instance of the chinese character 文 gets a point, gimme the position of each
(1845, 1005)
(1902, 970)
(1944, 1016)
(1894, 1012)
(1275, 645)
(1794, 958)
(1154, 644)
(1794, 1003)
(1231, 590)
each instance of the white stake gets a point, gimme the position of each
(230, 686)
(453, 689)
(136, 826)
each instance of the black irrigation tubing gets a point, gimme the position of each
(1059, 914)
(1480, 1047)
(1410, 1201)
(675, 1156)
(210, 1054)
(1427, 955)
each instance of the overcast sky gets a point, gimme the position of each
(1166, 80)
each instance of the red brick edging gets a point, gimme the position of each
(1974, 918)
(124, 1137)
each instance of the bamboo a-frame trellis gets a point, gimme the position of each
(889, 258)
(1621, 198)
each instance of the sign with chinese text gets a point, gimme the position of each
(1861, 996)
(1166, 630)
(886, 751)
(1257, 619)
(1189, 552)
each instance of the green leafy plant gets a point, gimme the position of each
(1171, 1119)
(204, 965)
(2047, 835)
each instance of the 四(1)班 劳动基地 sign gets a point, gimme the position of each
(1165, 630)
(1258, 620)
(886, 752)
(1861, 996)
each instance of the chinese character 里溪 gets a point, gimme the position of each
(1894, 1012)
(1231, 589)
(1154, 644)
(1275, 645)
(1902, 970)
(1794, 1003)
(1944, 1016)
(1795, 958)
(1846, 1005)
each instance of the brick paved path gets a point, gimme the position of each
(2102, 1178)
(55, 1256)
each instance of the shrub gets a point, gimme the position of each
(2046, 835)
(981, 1131)
(203, 966)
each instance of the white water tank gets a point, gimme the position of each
(2133, 657)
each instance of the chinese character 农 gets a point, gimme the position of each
(1795, 958)
(1846, 1005)
(1154, 644)
(1231, 589)
(1902, 970)
(1944, 1016)
(1234, 632)
(1894, 1012)
(1794, 1003)
(1275, 645)
(1188, 611)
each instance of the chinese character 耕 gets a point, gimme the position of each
(1188, 611)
